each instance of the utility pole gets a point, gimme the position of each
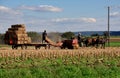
(108, 26)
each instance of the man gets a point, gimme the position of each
(97, 41)
(79, 39)
(44, 34)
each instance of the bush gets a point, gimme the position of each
(68, 35)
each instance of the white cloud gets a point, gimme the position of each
(9, 16)
(42, 8)
(115, 14)
(78, 20)
(2, 8)
(89, 20)
(8, 10)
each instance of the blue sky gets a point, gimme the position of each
(60, 15)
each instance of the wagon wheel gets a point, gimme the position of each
(14, 47)
(37, 47)
(48, 46)
(23, 46)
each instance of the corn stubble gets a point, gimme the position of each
(58, 53)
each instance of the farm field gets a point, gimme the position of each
(115, 44)
(56, 63)
(59, 39)
(115, 39)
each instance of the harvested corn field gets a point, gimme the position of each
(57, 63)
(43, 53)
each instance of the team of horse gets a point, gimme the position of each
(95, 42)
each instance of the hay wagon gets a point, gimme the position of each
(16, 36)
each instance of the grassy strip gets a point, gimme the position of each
(67, 67)
(3, 45)
(114, 44)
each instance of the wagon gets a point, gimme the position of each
(16, 36)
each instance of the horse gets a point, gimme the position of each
(88, 42)
(100, 42)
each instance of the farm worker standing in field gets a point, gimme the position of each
(97, 41)
(44, 35)
(79, 39)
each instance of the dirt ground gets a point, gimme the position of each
(115, 39)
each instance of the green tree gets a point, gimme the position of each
(96, 34)
(35, 37)
(68, 35)
(1, 38)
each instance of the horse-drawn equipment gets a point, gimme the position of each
(16, 36)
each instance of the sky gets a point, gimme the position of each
(60, 15)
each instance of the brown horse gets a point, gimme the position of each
(95, 42)
(100, 42)
(88, 42)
